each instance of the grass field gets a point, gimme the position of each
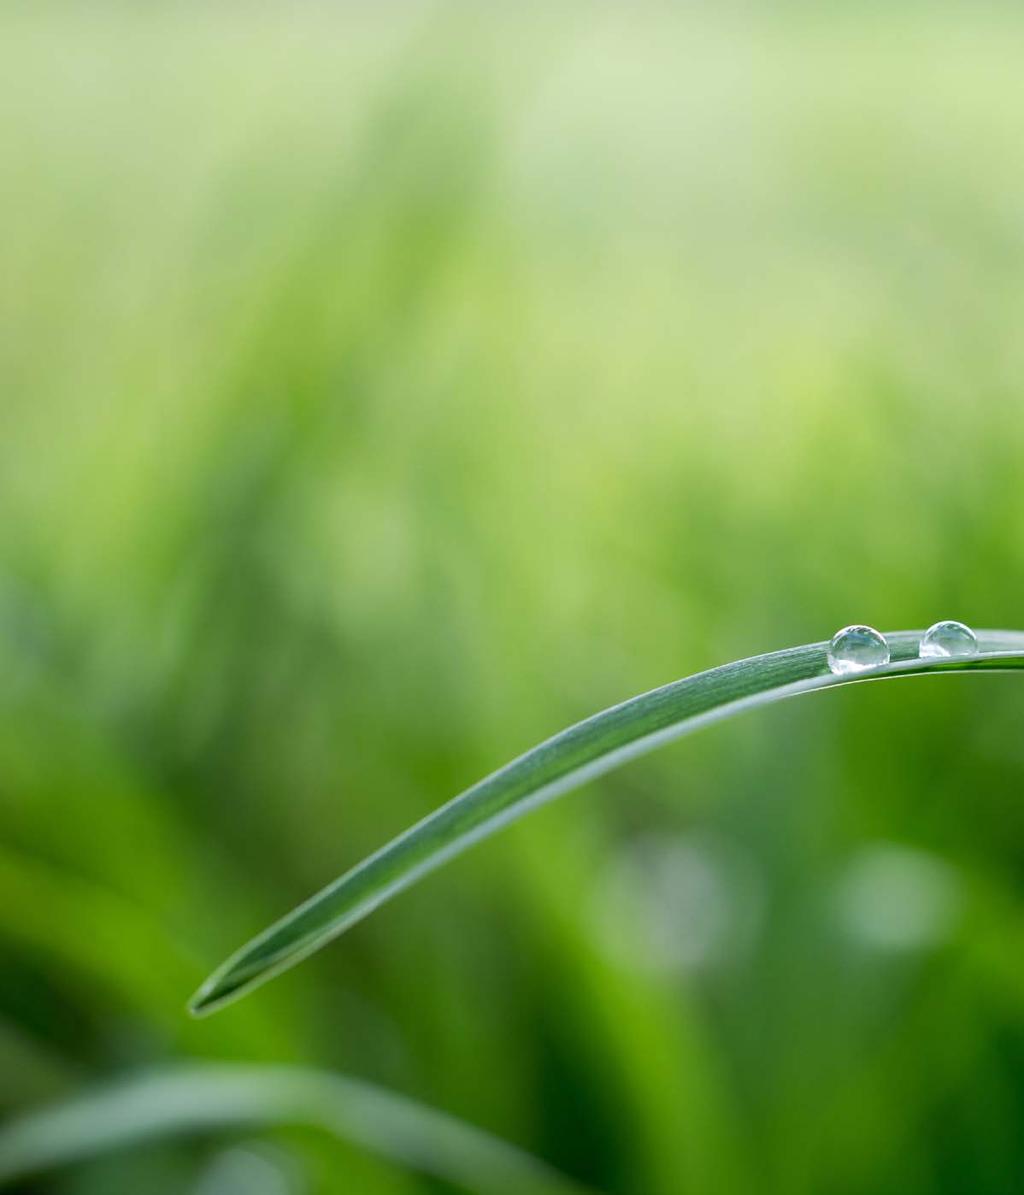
(383, 389)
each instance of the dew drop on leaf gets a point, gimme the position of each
(948, 638)
(855, 648)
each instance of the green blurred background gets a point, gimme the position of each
(384, 389)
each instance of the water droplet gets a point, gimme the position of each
(855, 648)
(948, 639)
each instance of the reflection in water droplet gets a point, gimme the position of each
(948, 639)
(855, 648)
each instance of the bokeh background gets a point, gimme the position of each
(385, 388)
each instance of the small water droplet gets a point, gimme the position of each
(948, 639)
(855, 648)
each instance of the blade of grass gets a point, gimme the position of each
(210, 1097)
(564, 762)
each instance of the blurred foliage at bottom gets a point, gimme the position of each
(383, 390)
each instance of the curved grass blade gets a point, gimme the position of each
(210, 1097)
(588, 749)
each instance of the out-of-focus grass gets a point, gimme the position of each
(209, 1098)
(383, 391)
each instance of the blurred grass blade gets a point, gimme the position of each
(210, 1097)
(564, 762)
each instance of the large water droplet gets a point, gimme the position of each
(948, 639)
(855, 648)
